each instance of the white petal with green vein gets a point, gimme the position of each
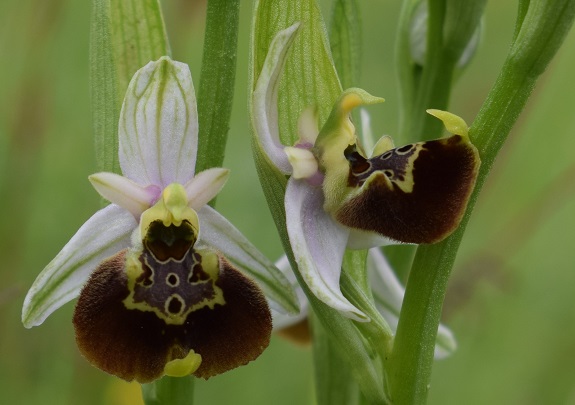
(217, 232)
(158, 130)
(104, 234)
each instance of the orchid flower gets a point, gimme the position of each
(337, 198)
(161, 293)
(387, 293)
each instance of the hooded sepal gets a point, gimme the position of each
(160, 103)
(265, 99)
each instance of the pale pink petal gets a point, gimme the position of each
(124, 192)
(318, 244)
(205, 186)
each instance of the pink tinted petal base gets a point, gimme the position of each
(205, 186)
(124, 192)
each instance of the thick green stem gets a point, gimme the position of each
(169, 391)
(334, 375)
(543, 29)
(217, 80)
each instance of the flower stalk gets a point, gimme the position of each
(541, 28)
(216, 90)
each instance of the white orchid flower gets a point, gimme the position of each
(161, 291)
(337, 197)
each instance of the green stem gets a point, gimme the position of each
(542, 31)
(333, 380)
(169, 391)
(436, 78)
(451, 24)
(216, 91)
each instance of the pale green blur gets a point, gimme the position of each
(510, 301)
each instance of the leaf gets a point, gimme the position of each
(216, 90)
(125, 35)
(319, 85)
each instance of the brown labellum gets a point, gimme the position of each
(414, 194)
(135, 342)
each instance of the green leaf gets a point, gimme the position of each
(345, 40)
(216, 91)
(319, 85)
(125, 35)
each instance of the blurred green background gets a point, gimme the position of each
(511, 298)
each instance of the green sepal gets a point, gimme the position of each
(298, 91)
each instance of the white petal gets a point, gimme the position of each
(205, 186)
(124, 192)
(388, 294)
(217, 232)
(360, 239)
(318, 244)
(366, 132)
(105, 233)
(445, 343)
(388, 291)
(281, 320)
(158, 130)
(265, 99)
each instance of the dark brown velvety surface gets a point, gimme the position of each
(444, 174)
(133, 344)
